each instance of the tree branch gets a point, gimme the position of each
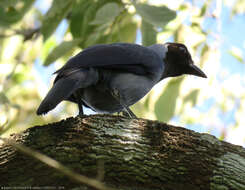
(137, 154)
(56, 165)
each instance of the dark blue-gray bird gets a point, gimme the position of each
(109, 78)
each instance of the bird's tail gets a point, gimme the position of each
(63, 88)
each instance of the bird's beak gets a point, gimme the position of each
(194, 70)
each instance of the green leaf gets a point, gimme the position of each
(127, 33)
(165, 105)
(3, 98)
(204, 49)
(203, 10)
(183, 7)
(78, 24)
(191, 97)
(92, 39)
(60, 50)
(123, 31)
(238, 7)
(106, 14)
(12, 11)
(58, 11)
(19, 77)
(157, 16)
(47, 47)
(237, 54)
(149, 34)
(83, 13)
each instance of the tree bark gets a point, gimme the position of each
(136, 154)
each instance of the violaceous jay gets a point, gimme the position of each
(109, 78)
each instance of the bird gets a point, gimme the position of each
(108, 78)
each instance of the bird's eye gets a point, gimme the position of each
(182, 49)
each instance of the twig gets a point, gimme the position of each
(26, 33)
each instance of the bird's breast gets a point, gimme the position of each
(116, 91)
(131, 87)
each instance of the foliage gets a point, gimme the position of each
(30, 38)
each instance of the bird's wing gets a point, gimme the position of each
(66, 86)
(119, 56)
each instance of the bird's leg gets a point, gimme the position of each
(126, 111)
(80, 107)
(79, 102)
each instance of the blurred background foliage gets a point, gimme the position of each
(38, 36)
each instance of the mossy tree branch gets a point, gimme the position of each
(126, 154)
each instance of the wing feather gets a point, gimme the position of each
(118, 56)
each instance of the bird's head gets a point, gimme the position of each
(178, 61)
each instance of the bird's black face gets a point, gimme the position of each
(178, 62)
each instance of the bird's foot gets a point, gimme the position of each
(126, 111)
(80, 113)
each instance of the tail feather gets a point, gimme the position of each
(63, 89)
